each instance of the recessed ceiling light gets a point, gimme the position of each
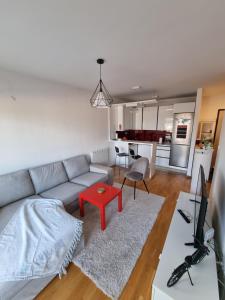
(136, 87)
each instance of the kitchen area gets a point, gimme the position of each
(160, 130)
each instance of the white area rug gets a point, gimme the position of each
(109, 256)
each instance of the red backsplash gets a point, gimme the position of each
(143, 135)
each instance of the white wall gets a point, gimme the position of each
(217, 205)
(217, 194)
(213, 99)
(41, 121)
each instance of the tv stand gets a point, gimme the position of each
(204, 274)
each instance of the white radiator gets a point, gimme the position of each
(100, 156)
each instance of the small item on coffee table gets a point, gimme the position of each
(101, 190)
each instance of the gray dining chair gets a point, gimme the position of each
(138, 172)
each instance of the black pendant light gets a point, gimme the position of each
(101, 97)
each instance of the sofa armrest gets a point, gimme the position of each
(104, 170)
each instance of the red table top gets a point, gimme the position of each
(91, 194)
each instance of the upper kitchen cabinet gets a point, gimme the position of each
(165, 118)
(187, 107)
(116, 119)
(128, 118)
(137, 118)
(132, 118)
(150, 117)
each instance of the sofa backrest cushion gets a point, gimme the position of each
(15, 186)
(48, 176)
(76, 166)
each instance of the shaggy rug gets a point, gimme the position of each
(109, 256)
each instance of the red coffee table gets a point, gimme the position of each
(92, 196)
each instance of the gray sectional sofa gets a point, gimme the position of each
(59, 180)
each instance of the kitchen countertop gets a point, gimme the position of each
(134, 141)
(142, 142)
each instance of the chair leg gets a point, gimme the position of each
(115, 165)
(146, 186)
(119, 166)
(123, 182)
(134, 189)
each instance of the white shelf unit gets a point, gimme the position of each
(201, 157)
(204, 274)
(206, 130)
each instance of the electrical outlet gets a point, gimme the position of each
(209, 234)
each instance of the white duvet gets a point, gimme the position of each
(38, 241)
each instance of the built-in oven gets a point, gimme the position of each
(182, 128)
(181, 139)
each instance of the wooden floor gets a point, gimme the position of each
(76, 286)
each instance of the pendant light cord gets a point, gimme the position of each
(100, 78)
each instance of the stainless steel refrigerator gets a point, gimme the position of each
(181, 139)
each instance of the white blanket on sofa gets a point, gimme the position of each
(38, 241)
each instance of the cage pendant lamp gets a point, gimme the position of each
(101, 97)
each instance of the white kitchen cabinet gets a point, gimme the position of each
(137, 118)
(113, 121)
(162, 162)
(163, 152)
(165, 118)
(150, 117)
(116, 119)
(162, 155)
(132, 118)
(120, 119)
(128, 118)
(184, 107)
(124, 118)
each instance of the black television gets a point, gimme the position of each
(200, 209)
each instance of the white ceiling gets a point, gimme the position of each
(172, 46)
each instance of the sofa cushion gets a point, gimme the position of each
(15, 186)
(90, 178)
(97, 168)
(76, 166)
(66, 192)
(48, 176)
(8, 211)
(23, 289)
